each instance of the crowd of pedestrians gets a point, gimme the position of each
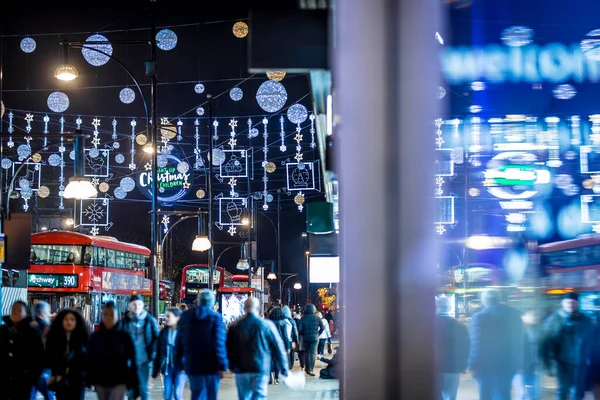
(60, 359)
(502, 344)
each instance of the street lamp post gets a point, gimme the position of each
(291, 275)
(307, 253)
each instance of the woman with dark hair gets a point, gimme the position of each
(164, 363)
(293, 333)
(21, 354)
(67, 354)
(284, 327)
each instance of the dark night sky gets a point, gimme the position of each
(204, 53)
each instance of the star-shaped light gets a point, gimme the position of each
(282, 148)
(298, 137)
(78, 121)
(232, 182)
(439, 141)
(62, 149)
(133, 167)
(95, 181)
(233, 123)
(232, 142)
(29, 118)
(10, 144)
(439, 181)
(440, 229)
(265, 121)
(186, 185)
(166, 220)
(439, 191)
(232, 230)
(164, 121)
(299, 157)
(439, 122)
(133, 123)
(96, 141)
(95, 231)
(300, 207)
(148, 167)
(96, 122)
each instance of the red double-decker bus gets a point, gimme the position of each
(71, 269)
(195, 278)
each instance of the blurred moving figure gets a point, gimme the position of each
(451, 349)
(164, 362)
(41, 324)
(201, 347)
(325, 336)
(497, 342)
(21, 354)
(563, 336)
(294, 334)
(284, 327)
(310, 328)
(531, 360)
(252, 345)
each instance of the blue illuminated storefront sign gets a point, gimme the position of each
(172, 183)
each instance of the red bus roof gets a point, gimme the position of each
(582, 241)
(240, 278)
(79, 239)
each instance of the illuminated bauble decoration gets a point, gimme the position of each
(58, 102)
(588, 184)
(474, 192)
(254, 132)
(199, 88)
(43, 192)
(72, 155)
(116, 145)
(166, 39)
(28, 45)
(218, 157)
(24, 183)
(297, 113)
(200, 193)
(54, 160)
(271, 96)
(2, 109)
(240, 29)
(23, 151)
(26, 193)
(200, 111)
(120, 193)
(299, 199)
(590, 46)
(141, 139)
(127, 95)
(127, 184)
(36, 157)
(183, 167)
(270, 167)
(269, 198)
(104, 187)
(440, 93)
(168, 130)
(94, 152)
(162, 161)
(564, 92)
(120, 158)
(517, 36)
(258, 195)
(6, 163)
(93, 57)
(475, 109)
(276, 75)
(236, 94)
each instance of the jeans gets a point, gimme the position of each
(567, 380)
(204, 387)
(111, 393)
(311, 353)
(321, 348)
(42, 386)
(449, 385)
(252, 386)
(495, 386)
(143, 372)
(174, 382)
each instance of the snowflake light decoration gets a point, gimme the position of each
(94, 212)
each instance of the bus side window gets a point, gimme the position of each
(99, 258)
(87, 257)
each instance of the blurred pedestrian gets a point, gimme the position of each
(164, 362)
(294, 334)
(67, 350)
(21, 354)
(253, 344)
(284, 327)
(563, 336)
(310, 328)
(183, 307)
(451, 349)
(201, 347)
(333, 364)
(41, 324)
(325, 336)
(497, 342)
(300, 347)
(143, 329)
(111, 364)
(531, 364)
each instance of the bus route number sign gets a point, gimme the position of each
(52, 281)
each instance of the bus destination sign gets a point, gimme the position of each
(52, 281)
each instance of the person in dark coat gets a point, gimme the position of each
(21, 354)
(310, 328)
(143, 329)
(253, 346)
(332, 369)
(41, 324)
(562, 341)
(164, 362)
(66, 349)
(111, 366)
(284, 327)
(451, 349)
(497, 342)
(295, 339)
(201, 347)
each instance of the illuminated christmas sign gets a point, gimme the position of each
(173, 179)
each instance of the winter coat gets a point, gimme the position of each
(200, 344)
(111, 359)
(144, 333)
(284, 327)
(562, 338)
(310, 326)
(451, 345)
(69, 361)
(333, 364)
(164, 362)
(253, 344)
(21, 359)
(326, 334)
(288, 315)
(497, 340)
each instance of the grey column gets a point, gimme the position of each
(385, 76)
